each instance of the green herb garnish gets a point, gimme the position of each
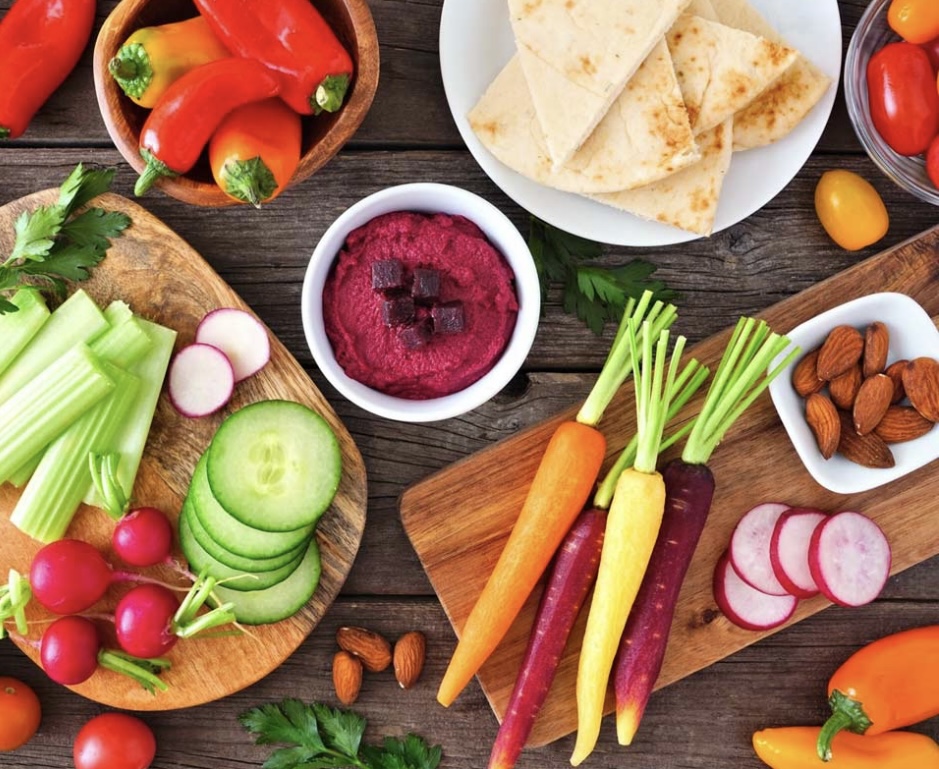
(319, 737)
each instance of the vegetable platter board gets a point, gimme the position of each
(163, 279)
(459, 544)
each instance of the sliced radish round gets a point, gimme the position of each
(850, 559)
(746, 606)
(240, 336)
(789, 550)
(201, 380)
(749, 548)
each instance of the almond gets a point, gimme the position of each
(373, 649)
(921, 380)
(895, 372)
(843, 389)
(347, 677)
(842, 349)
(410, 651)
(872, 402)
(902, 423)
(876, 345)
(822, 417)
(804, 377)
(867, 450)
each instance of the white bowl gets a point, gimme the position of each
(426, 198)
(912, 335)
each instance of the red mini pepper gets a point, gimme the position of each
(41, 41)
(186, 116)
(293, 40)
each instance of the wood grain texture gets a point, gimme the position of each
(755, 463)
(205, 669)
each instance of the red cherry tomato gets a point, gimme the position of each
(20, 713)
(932, 162)
(916, 21)
(114, 741)
(904, 100)
(932, 51)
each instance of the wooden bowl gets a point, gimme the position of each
(323, 134)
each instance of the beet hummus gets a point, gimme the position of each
(419, 305)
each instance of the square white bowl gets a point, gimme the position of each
(912, 335)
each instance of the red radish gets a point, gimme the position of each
(69, 650)
(240, 336)
(789, 550)
(201, 380)
(143, 537)
(143, 620)
(749, 548)
(849, 557)
(746, 606)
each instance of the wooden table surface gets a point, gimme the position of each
(703, 721)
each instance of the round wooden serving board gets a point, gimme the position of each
(163, 279)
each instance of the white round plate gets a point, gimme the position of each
(476, 42)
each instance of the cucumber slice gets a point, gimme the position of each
(261, 607)
(233, 561)
(200, 561)
(274, 465)
(231, 534)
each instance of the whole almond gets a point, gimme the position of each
(843, 389)
(804, 377)
(872, 402)
(842, 349)
(867, 450)
(371, 648)
(410, 652)
(902, 423)
(876, 345)
(921, 380)
(347, 677)
(895, 372)
(822, 417)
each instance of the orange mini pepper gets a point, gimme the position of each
(794, 748)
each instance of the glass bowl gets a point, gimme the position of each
(872, 34)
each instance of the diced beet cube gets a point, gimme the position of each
(397, 311)
(448, 318)
(387, 275)
(416, 335)
(426, 285)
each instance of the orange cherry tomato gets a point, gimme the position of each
(20, 713)
(916, 21)
(850, 210)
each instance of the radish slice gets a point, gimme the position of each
(749, 548)
(240, 336)
(201, 380)
(746, 606)
(850, 559)
(789, 550)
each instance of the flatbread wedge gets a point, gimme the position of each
(577, 56)
(644, 136)
(687, 199)
(721, 69)
(786, 103)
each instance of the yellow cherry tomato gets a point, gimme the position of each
(850, 210)
(19, 713)
(916, 21)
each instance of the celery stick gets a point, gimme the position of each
(49, 502)
(123, 344)
(118, 312)
(132, 437)
(77, 320)
(17, 328)
(22, 475)
(37, 414)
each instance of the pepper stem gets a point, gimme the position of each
(329, 94)
(845, 714)
(249, 180)
(156, 169)
(144, 672)
(4, 132)
(131, 70)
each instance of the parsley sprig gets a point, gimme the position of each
(594, 294)
(55, 244)
(320, 737)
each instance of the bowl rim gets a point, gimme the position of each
(497, 227)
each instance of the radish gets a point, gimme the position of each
(201, 379)
(789, 550)
(746, 606)
(750, 544)
(849, 557)
(240, 336)
(143, 537)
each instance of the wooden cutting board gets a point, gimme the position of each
(459, 519)
(163, 279)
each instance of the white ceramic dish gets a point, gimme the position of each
(429, 198)
(476, 42)
(912, 334)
